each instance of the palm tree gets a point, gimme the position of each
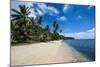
(47, 28)
(55, 27)
(30, 27)
(21, 14)
(21, 18)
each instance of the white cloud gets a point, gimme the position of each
(39, 12)
(65, 8)
(89, 34)
(91, 30)
(52, 10)
(44, 9)
(41, 6)
(62, 18)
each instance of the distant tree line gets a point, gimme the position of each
(25, 29)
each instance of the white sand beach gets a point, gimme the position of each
(45, 53)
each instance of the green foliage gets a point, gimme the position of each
(25, 29)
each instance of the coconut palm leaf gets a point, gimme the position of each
(14, 10)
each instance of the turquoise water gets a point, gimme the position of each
(85, 46)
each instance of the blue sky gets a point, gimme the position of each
(74, 20)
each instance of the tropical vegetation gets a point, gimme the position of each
(25, 29)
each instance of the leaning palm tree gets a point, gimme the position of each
(55, 27)
(21, 18)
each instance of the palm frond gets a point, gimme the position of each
(15, 15)
(16, 18)
(14, 10)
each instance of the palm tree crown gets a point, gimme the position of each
(22, 13)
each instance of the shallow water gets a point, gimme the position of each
(84, 46)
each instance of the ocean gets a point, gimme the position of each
(84, 46)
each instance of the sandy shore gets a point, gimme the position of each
(45, 53)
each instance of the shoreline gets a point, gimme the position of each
(22, 44)
(45, 53)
